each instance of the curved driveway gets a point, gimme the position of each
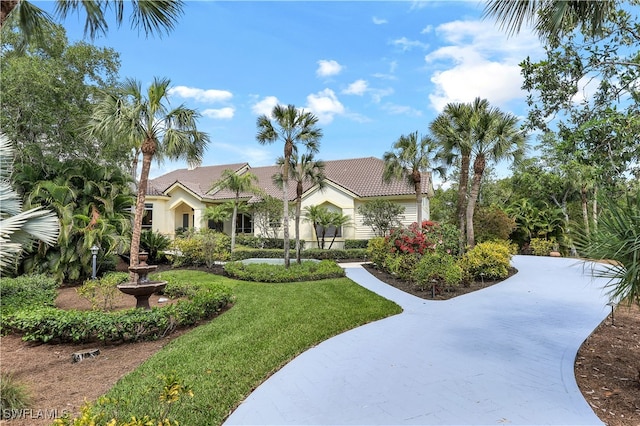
(502, 355)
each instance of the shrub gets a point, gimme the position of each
(201, 248)
(264, 243)
(490, 259)
(154, 243)
(401, 265)
(541, 247)
(102, 292)
(27, 290)
(356, 244)
(492, 223)
(268, 273)
(13, 395)
(437, 266)
(377, 251)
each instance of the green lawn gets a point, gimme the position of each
(222, 361)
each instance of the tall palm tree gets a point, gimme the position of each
(292, 126)
(410, 158)
(238, 184)
(497, 137)
(453, 131)
(550, 17)
(152, 16)
(302, 169)
(159, 132)
(19, 228)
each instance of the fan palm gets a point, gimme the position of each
(158, 131)
(237, 184)
(292, 126)
(303, 169)
(152, 16)
(410, 158)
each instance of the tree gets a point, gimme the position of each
(302, 170)
(267, 216)
(18, 228)
(47, 98)
(550, 17)
(325, 221)
(409, 160)
(292, 126)
(381, 215)
(149, 15)
(237, 184)
(159, 132)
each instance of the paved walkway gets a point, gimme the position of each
(502, 355)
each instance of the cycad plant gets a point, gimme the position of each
(617, 240)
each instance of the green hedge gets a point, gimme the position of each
(44, 323)
(335, 254)
(268, 273)
(356, 244)
(264, 243)
(27, 290)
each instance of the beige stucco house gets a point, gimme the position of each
(178, 199)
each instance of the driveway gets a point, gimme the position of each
(502, 355)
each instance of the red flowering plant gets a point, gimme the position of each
(415, 239)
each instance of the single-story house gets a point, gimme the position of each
(178, 199)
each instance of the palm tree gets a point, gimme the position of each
(453, 131)
(303, 169)
(18, 228)
(551, 17)
(409, 159)
(337, 220)
(152, 16)
(497, 137)
(237, 184)
(160, 132)
(293, 126)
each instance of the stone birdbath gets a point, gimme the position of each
(142, 288)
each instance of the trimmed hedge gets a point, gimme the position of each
(356, 244)
(44, 323)
(265, 243)
(319, 254)
(268, 273)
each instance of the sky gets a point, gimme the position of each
(371, 71)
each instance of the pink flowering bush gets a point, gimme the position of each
(416, 239)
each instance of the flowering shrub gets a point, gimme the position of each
(416, 239)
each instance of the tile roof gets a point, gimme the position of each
(361, 176)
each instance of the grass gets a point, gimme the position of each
(225, 359)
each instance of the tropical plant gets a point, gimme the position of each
(154, 243)
(150, 16)
(150, 126)
(293, 126)
(238, 184)
(616, 242)
(304, 169)
(410, 159)
(381, 215)
(325, 221)
(19, 229)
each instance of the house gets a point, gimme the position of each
(178, 199)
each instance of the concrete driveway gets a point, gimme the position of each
(502, 355)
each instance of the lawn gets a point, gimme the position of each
(224, 360)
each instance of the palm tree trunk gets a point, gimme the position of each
(147, 156)
(6, 6)
(462, 198)
(478, 170)
(298, 213)
(234, 219)
(285, 201)
(417, 183)
(585, 213)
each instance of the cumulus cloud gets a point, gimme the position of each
(325, 105)
(358, 88)
(327, 68)
(379, 21)
(476, 59)
(201, 95)
(265, 106)
(405, 44)
(222, 113)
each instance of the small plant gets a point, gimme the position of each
(439, 267)
(541, 247)
(102, 292)
(13, 395)
(490, 259)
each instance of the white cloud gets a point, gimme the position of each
(252, 153)
(358, 88)
(327, 68)
(405, 44)
(265, 106)
(478, 60)
(401, 110)
(378, 94)
(379, 21)
(201, 95)
(427, 29)
(222, 113)
(325, 105)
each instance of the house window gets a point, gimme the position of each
(244, 224)
(215, 225)
(185, 220)
(147, 216)
(329, 232)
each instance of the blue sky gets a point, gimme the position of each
(370, 70)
